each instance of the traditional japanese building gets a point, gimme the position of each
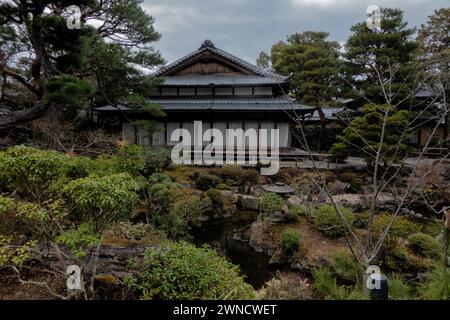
(224, 92)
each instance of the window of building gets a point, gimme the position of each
(224, 91)
(187, 91)
(263, 91)
(243, 91)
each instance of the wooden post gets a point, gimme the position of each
(447, 218)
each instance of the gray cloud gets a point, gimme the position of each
(245, 27)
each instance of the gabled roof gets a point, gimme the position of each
(209, 47)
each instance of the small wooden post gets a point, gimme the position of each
(447, 218)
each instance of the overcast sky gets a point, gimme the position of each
(245, 27)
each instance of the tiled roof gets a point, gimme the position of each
(261, 104)
(217, 80)
(208, 46)
(331, 114)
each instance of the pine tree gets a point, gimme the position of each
(71, 68)
(379, 64)
(313, 62)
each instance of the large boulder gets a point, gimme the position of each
(247, 202)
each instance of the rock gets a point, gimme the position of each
(339, 187)
(295, 201)
(247, 202)
(418, 216)
(227, 194)
(354, 202)
(256, 190)
(277, 218)
(278, 259)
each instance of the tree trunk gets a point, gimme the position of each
(21, 116)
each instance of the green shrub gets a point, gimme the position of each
(398, 290)
(346, 267)
(392, 255)
(295, 212)
(250, 177)
(361, 220)
(425, 245)
(159, 178)
(326, 286)
(230, 174)
(192, 208)
(270, 203)
(437, 286)
(401, 227)
(136, 232)
(327, 220)
(128, 159)
(102, 200)
(223, 186)
(339, 152)
(217, 200)
(30, 172)
(290, 241)
(180, 271)
(156, 159)
(206, 181)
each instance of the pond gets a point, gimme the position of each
(219, 234)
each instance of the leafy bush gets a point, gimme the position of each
(290, 241)
(392, 255)
(192, 208)
(250, 177)
(401, 227)
(30, 172)
(362, 220)
(159, 178)
(327, 220)
(156, 159)
(206, 181)
(437, 286)
(223, 186)
(398, 290)
(217, 200)
(136, 232)
(425, 245)
(102, 200)
(180, 271)
(230, 174)
(295, 212)
(339, 152)
(346, 267)
(270, 203)
(128, 158)
(326, 286)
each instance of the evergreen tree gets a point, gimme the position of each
(434, 54)
(312, 61)
(379, 64)
(362, 137)
(68, 68)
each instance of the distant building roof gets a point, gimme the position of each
(330, 114)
